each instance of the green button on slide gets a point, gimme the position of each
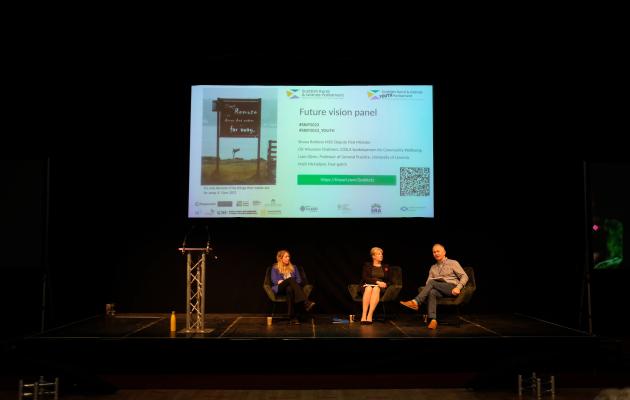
(346, 179)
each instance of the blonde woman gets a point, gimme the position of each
(376, 278)
(287, 281)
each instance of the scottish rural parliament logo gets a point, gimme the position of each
(374, 94)
(293, 93)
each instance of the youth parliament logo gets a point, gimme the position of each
(373, 94)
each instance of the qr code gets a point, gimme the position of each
(415, 181)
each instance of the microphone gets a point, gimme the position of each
(186, 237)
(208, 248)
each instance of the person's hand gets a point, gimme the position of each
(280, 281)
(456, 291)
(382, 285)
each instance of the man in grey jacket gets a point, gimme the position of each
(446, 279)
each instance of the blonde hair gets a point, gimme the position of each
(285, 270)
(374, 250)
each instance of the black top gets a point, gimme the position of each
(377, 273)
(371, 274)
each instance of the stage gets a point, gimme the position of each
(242, 351)
(254, 326)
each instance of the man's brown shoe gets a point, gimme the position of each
(433, 324)
(411, 304)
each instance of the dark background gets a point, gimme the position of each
(513, 126)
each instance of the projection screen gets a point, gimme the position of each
(311, 152)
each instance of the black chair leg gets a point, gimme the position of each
(459, 318)
(358, 310)
(453, 318)
(392, 314)
(273, 312)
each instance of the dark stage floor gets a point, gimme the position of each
(251, 326)
(242, 351)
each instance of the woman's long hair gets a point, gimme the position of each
(285, 270)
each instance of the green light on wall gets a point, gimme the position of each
(614, 244)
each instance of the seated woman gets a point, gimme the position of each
(287, 281)
(375, 280)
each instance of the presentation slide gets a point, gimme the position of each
(311, 152)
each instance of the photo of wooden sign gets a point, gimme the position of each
(238, 117)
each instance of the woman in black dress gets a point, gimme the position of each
(375, 280)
